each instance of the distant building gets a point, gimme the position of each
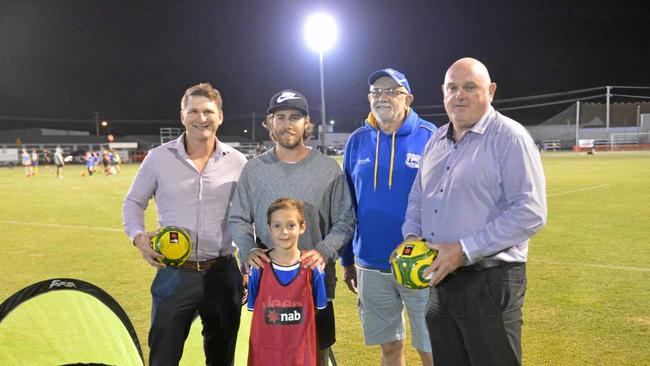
(624, 118)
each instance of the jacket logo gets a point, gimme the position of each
(363, 161)
(413, 160)
(283, 316)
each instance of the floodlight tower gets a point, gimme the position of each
(321, 33)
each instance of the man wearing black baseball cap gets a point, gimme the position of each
(293, 170)
(381, 160)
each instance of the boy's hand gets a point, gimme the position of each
(257, 258)
(312, 258)
(350, 277)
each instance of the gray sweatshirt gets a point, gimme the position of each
(318, 181)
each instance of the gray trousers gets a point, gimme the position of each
(179, 295)
(474, 317)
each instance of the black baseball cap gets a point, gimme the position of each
(288, 99)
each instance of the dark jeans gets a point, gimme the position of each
(178, 295)
(474, 317)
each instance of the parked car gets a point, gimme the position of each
(331, 150)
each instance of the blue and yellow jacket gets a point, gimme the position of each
(380, 169)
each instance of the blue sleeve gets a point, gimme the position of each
(254, 277)
(318, 288)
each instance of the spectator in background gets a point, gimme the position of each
(35, 161)
(27, 163)
(117, 161)
(88, 161)
(47, 157)
(59, 162)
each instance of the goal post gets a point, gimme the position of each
(629, 141)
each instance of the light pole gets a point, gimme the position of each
(321, 33)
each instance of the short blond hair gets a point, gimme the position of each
(203, 90)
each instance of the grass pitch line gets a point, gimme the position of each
(605, 266)
(11, 222)
(578, 190)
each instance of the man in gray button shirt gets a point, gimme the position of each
(192, 180)
(478, 197)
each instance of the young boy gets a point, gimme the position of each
(283, 295)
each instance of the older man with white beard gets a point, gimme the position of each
(380, 162)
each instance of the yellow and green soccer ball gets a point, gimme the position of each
(409, 261)
(174, 243)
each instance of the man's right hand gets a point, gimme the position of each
(143, 243)
(257, 258)
(350, 277)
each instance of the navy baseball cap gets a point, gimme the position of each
(399, 78)
(288, 99)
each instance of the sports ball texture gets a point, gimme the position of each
(174, 243)
(409, 261)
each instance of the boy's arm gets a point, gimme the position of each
(254, 277)
(318, 288)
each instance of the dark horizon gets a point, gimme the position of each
(69, 59)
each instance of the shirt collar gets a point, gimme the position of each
(482, 123)
(179, 145)
(479, 127)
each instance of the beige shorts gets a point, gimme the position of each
(381, 308)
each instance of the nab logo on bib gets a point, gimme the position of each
(283, 316)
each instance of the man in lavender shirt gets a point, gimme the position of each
(478, 197)
(192, 180)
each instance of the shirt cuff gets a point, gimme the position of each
(134, 234)
(412, 234)
(326, 251)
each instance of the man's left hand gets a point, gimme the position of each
(450, 257)
(312, 258)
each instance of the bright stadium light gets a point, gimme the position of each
(321, 33)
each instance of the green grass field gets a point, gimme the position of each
(588, 298)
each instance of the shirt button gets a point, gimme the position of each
(455, 147)
(435, 211)
(433, 234)
(440, 190)
(448, 168)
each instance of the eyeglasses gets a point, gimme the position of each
(391, 92)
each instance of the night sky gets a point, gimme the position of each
(134, 59)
